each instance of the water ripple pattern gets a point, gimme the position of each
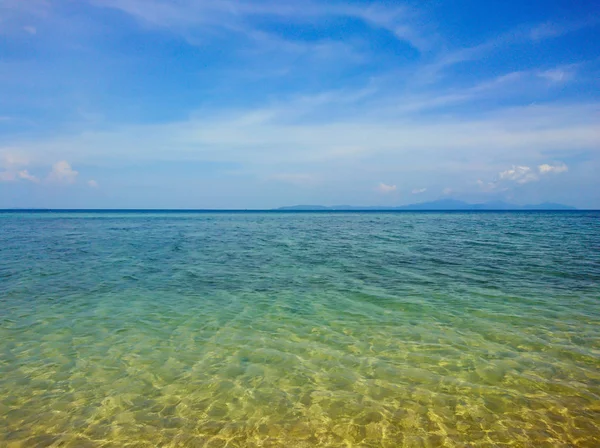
(299, 329)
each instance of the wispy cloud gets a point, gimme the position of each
(491, 186)
(7, 176)
(548, 30)
(24, 174)
(558, 75)
(240, 137)
(192, 17)
(92, 183)
(400, 21)
(504, 85)
(320, 123)
(521, 35)
(12, 158)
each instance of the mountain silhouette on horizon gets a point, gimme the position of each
(442, 204)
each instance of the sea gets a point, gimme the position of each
(296, 329)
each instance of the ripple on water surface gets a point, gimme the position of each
(300, 330)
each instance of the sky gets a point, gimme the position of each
(264, 103)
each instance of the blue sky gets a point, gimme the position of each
(258, 104)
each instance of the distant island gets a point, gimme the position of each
(442, 204)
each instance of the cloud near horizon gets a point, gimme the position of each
(63, 173)
(519, 174)
(24, 174)
(274, 103)
(559, 168)
(384, 188)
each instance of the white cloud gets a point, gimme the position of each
(547, 169)
(30, 29)
(447, 191)
(519, 174)
(419, 190)
(329, 136)
(63, 173)
(11, 161)
(524, 174)
(24, 174)
(92, 183)
(384, 188)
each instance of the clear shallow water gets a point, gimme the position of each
(300, 330)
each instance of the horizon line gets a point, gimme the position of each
(285, 210)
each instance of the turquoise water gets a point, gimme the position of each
(300, 329)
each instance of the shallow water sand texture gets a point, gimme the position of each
(408, 329)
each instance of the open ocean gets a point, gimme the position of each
(457, 329)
